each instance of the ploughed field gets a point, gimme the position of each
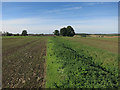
(23, 63)
(60, 62)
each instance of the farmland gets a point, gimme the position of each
(82, 63)
(60, 62)
(23, 62)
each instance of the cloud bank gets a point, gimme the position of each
(48, 25)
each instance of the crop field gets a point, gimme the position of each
(23, 62)
(82, 63)
(60, 62)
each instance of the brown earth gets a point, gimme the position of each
(111, 36)
(24, 62)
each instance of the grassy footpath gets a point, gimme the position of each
(53, 76)
(76, 65)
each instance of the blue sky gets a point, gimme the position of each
(45, 17)
(60, 0)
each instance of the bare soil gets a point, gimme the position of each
(24, 62)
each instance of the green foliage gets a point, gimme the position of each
(69, 31)
(16, 34)
(63, 31)
(56, 32)
(9, 34)
(24, 33)
(72, 67)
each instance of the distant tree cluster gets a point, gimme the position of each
(24, 33)
(56, 32)
(7, 34)
(17, 34)
(69, 31)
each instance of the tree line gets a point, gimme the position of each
(65, 31)
(24, 33)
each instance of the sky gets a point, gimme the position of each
(60, 0)
(45, 17)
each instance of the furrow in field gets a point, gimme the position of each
(14, 48)
(26, 65)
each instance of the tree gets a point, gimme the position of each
(8, 34)
(56, 32)
(69, 31)
(63, 31)
(16, 34)
(24, 33)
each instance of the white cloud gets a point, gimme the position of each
(33, 25)
(93, 3)
(73, 8)
(48, 25)
(65, 9)
(17, 21)
(96, 28)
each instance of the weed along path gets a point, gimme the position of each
(73, 65)
(24, 62)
